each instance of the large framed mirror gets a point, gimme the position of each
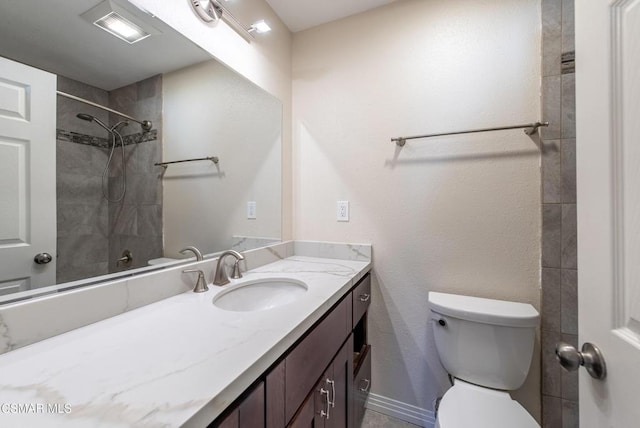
(84, 182)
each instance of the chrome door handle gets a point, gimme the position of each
(333, 392)
(590, 357)
(365, 297)
(366, 388)
(42, 258)
(324, 414)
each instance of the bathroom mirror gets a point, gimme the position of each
(119, 212)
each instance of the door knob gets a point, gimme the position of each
(590, 357)
(42, 258)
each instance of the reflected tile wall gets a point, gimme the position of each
(559, 239)
(136, 222)
(93, 233)
(82, 212)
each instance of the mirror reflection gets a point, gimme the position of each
(115, 114)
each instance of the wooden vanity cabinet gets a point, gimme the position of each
(322, 381)
(329, 403)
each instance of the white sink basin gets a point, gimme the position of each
(259, 294)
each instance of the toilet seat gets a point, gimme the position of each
(466, 405)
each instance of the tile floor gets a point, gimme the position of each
(378, 420)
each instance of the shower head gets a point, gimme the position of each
(90, 118)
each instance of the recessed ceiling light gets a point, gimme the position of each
(121, 28)
(117, 21)
(259, 27)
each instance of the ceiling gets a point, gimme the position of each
(57, 39)
(300, 15)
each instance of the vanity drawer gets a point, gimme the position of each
(361, 298)
(308, 360)
(361, 387)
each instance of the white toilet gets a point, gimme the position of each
(486, 346)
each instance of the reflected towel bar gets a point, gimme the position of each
(529, 129)
(146, 124)
(213, 159)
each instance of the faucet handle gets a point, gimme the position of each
(236, 274)
(201, 284)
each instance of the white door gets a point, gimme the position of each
(608, 165)
(27, 176)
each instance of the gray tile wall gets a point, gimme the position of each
(82, 235)
(92, 233)
(136, 222)
(559, 236)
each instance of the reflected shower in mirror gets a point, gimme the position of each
(117, 211)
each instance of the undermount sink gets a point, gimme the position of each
(260, 294)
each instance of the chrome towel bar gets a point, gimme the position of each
(529, 129)
(213, 159)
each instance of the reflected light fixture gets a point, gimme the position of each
(118, 22)
(259, 27)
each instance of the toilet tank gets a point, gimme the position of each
(484, 341)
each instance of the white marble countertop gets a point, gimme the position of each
(177, 362)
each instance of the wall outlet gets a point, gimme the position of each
(251, 210)
(343, 210)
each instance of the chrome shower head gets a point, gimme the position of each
(90, 118)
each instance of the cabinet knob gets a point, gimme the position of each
(365, 297)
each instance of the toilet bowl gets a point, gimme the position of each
(486, 345)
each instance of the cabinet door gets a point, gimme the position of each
(342, 378)
(314, 410)
(248, 414)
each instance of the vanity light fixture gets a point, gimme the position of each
(115, 20)
(207, 10)
(259, 27)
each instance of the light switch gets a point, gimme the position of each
(251, 210)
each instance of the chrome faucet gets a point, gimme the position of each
(221, 277)
(194, 250)
(201, 284)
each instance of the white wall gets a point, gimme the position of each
(456, 214)
(266, 61)
(210, 110)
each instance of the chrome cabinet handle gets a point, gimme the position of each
(324, 414)
(365, 297)
(333, 392)
(42, 258)
(590, 357)
(366, 388)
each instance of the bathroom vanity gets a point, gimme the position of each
(321, 381)
(183, 361)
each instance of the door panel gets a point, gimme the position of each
(608, 173)
(27, 175)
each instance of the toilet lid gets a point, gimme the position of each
(466, 405)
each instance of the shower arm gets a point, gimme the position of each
(146, 124)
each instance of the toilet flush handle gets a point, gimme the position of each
(440, 321)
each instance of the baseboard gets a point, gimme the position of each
(400, 410)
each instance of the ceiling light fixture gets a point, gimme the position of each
(259, 27)
(119, 22)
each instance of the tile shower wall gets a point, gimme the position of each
(82, 236)
(559, 235)
(135, 223)
(93, 233)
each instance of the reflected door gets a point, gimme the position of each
(27, 177)
(608, 161)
